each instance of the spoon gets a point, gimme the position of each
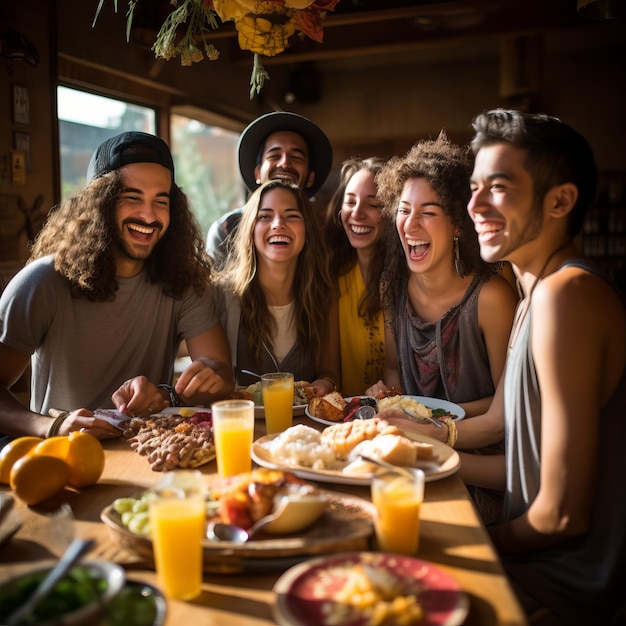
(412, 415)
(251, 373)
(221, 531)
(365, 412)
(398, 469)
(74, 552)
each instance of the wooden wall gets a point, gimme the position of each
(373, 105)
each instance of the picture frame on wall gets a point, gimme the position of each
(21, 142)
(21, 105)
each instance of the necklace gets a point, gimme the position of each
(519, 318)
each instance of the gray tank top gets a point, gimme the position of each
(447, 359)
(580, 580)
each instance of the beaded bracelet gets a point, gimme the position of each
(452, 431)
(171, 392)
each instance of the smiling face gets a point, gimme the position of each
(502, 207)
(425, 231)
(280, 231)
(360, 210)
(142, 214)
(286, 157)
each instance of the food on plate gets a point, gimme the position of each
(389, 393)
(329, 407)
(394, 449)
(301, 445)
(172, 441)
(335, 447)
(405, 402)
(135, 513)
(345, 436)
(373, 594)
(246, 498)
(253, 392)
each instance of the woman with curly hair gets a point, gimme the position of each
(276, 288)
(118, 277)
(449, 313)
(352, 230)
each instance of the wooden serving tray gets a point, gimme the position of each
(347, 525)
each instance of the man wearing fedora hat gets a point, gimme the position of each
(279, 145)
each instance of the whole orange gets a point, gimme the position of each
(85, 458)
(12, 452)
(57, 446)
(35, 478)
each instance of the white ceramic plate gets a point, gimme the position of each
(431, 403)
(436, 403)
(446, 462)
(304, 593)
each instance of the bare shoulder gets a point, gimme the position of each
(498, 291)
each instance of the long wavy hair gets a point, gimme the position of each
(447, 167)
(312, 282)
(343, 256)
(82, 231)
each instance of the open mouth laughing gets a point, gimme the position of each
(417, 248)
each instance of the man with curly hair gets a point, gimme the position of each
(117, 278)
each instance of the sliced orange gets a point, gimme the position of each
(85, 458)
(35, 478)
(13, 451)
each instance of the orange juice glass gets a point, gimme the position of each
(277, 390)
(233, 432)
(397, 498)
(178, 517)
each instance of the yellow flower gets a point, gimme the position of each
(263, 36)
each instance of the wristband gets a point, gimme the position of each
(452, 431)
(59, 418)
(171, 392)
(331, 381)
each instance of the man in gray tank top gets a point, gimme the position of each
(561, 399)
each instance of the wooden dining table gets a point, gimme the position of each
(452, 537)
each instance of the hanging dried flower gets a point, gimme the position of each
(263, 27)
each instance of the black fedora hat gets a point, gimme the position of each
(254, 135)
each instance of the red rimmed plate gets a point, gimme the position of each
(304, 593)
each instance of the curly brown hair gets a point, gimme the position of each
(81, 231)
(447, 167)
(312, 283)
(342, 255)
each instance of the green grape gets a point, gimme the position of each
(121, 505)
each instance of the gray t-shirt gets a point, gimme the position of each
(82, 351)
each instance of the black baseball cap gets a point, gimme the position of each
(129, 147)
(254, 135)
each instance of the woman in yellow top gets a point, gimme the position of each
(353, 232)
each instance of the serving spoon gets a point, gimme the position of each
(72, 555)
(221, 531)
(398, 469)
(412, 415)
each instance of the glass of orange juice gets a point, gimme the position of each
(397, 497)
(277, 388)
(177, 518)
(233, 432)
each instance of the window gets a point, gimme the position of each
(85, 121)
(205, 158)
(205, 155)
